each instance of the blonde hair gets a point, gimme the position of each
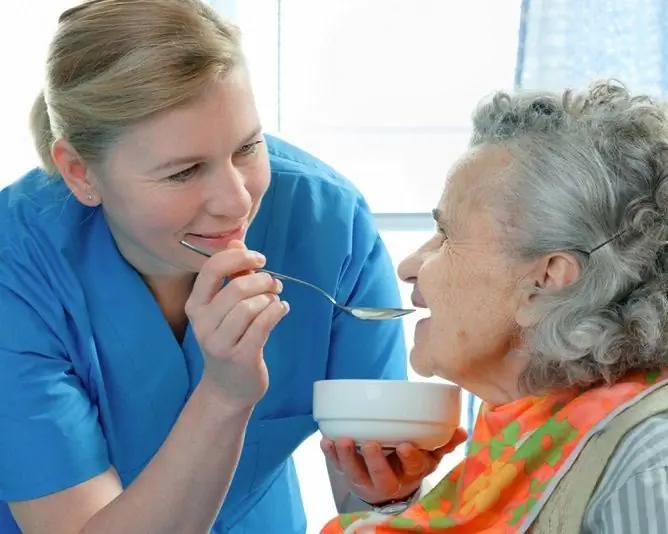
(113, 63)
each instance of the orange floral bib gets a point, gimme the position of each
(517, 455)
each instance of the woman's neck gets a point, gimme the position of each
(498, 383)
(171, 294)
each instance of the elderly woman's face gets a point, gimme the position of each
(462, 276)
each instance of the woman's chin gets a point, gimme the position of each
(420, 363)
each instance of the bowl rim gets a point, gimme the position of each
(403, 383)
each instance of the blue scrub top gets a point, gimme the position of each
(92, 376)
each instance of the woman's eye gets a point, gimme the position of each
(184, 175)
(249, 149)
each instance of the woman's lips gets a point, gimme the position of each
(217, 241)
(420, 331)
(422, 321)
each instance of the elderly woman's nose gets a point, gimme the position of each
(409, 267)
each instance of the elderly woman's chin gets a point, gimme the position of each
(420, 357)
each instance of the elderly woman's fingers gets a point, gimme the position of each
(457, 439)
(415, 463)
(381, 473)
(351, 463)
(329, 450)
(377, 474)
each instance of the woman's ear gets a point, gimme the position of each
(552, 272)
(524, 316)
(76, 173)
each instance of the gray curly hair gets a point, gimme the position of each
(588, 176)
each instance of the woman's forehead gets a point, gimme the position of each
(473, 175)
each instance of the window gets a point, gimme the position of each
(383, 89)
(23, 46)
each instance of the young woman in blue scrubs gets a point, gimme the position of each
(138, 393)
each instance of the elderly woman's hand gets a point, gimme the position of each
(376, 477)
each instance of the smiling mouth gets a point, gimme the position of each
(219, 235)
(218, 241)
(212, 236)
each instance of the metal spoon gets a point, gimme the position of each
(367, 314)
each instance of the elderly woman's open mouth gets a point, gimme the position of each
(418, 302)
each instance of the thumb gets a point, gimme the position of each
(457, 439)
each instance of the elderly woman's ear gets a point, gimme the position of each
(551, 273)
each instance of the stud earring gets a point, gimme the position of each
(89, 198)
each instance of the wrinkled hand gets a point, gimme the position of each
(376, 478)
(232, 323)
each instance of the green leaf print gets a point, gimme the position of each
(446, 489)
(511, 434)
(559, 433)
(537, 487)
(495, 449)
(475, 447)
(346, 520)
(442, 522)
(651, 376)
(518, 513)
(522, 510)
(553, 456)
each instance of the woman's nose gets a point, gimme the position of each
(409, 267)
(228, 196)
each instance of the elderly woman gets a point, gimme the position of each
(546, 282)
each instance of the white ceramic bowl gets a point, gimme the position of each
(391, 412)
